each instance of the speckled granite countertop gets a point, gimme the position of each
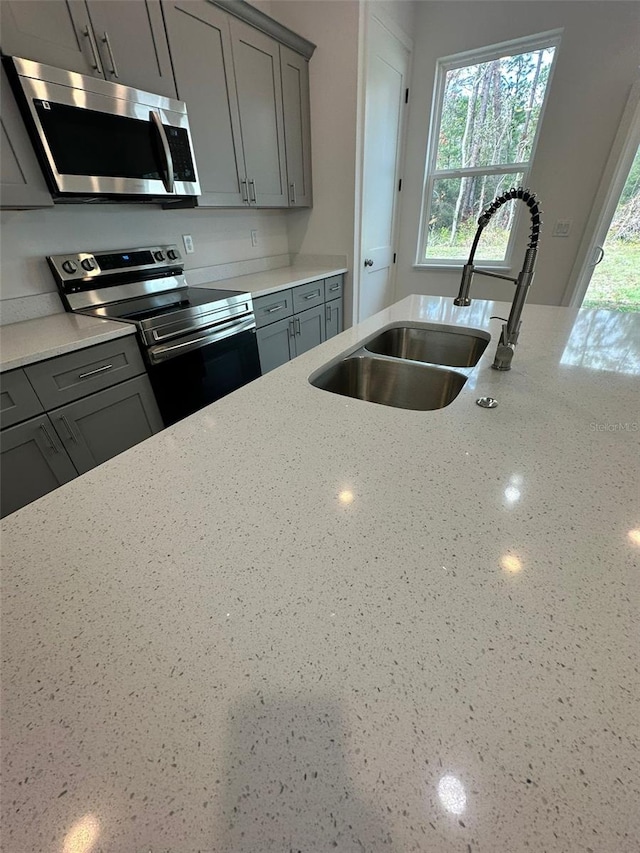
(271, 281)
(296, 621)
(34, 340)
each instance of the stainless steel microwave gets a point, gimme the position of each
(99, 141)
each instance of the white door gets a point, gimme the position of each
(386, 82)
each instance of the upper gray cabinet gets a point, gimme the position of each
(297, 135)
(119, 40)
(256, 61)
(200, 44)
(22, 184)
(250, 125)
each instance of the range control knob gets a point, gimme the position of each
(69, 266)
(88, 264)
(159, 256)
(172, 255)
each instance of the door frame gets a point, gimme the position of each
(606, 201)
(367, 12)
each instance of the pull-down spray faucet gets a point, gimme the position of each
(510, 329)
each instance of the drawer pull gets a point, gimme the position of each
(93, 372)
(334, 287)
(275, 308)
(313, 295)
(52, 446)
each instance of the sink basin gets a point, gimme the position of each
(402, 384)
(446, 345)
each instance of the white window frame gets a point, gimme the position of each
(527, 44)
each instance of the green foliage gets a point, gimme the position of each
(616, 281)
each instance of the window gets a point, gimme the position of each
(485, 118)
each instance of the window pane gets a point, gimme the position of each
(456, 204)
(490, 111)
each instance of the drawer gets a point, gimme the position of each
(276, 306)
(18, 400)
(308, 296)
(78, 374)
(333, 287)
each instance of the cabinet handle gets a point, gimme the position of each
(297, 319)
(67, 426)
(94, 49)
(334, 287)
(107, 43)
(292, 330)
(292, 192)
(275, 308)
(313, 295)
(328, 313)
(93, 372)
(243, 190)
(52, 446)
(252, 191)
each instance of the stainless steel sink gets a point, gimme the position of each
(439, 344)
(402, 384)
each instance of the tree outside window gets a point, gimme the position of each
(487, 111)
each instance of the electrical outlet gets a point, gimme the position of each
(254, 237)
(187, 239)
(562, 228)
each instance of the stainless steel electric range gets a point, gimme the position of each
(198, 344)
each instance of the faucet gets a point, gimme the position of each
(511, 327)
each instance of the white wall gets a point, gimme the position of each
(596, 66)
(220, 236)
(333, 26)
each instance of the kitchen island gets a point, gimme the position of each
(296, 621)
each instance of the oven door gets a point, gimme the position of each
(96, 138)
(195, 370)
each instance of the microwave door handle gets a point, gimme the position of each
(157, 122)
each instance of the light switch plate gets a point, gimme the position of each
(562, 228)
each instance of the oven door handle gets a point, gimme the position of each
(158, 354)
(167, 179)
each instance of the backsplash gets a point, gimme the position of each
(222, 240)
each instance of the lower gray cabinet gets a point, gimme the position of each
(34, 462)
(309, 329)
(333, 318)
(275, 344)
(98, 427)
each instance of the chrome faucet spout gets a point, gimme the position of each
(511, 329)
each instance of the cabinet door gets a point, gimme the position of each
(333, 318)
(55, 32)
(309, 329)
(32, 463)
(99, 427)
(297, 126)
(22, 183)
(275, 344)
(133, 44)
(200, 47)
(256, 62)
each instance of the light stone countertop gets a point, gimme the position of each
(34, 340)
(297, 621)
(271, 281)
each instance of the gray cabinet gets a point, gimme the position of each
(101, 426)
(276, 344)
(256, 62)
(333, 318)
(293, 321)
(94, 411)
(200, 45)
(119, 40)
(297, 126)
(22, 184)
(33, 463)
(229, 74)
